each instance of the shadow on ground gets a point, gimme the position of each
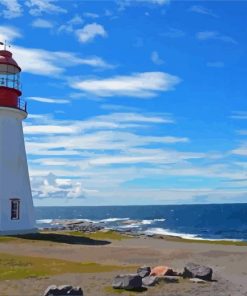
(62, 238)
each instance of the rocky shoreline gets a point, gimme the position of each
(86, 226)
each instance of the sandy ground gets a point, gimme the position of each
(228, 262)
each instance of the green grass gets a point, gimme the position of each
(21, 267)
(99, 235)
(197, 241)
(4, 239)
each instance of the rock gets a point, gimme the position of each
(127, 282)
(153, 280)
(170, 279)
(64, 290)
(144, 271)
(197, 281)
(50, 290)
(161, 270)
(149, 281)
(178, 273)
(76, 291)
(192, 270)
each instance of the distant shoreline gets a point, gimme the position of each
(91, 226)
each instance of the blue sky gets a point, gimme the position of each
(132, 102)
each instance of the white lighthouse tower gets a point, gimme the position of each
(16, 204)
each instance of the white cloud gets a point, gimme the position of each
(124, 3)
(54, 187)
(241, 150)
(202, 10)
(141, 85)
(70, 25)
(12, 9)
(38, 7)
(9, 33)
(155, 58)
(107, 154)
(214, 35)
(52, 63)
(89, 32)
(46, 125)
(49, 100)
(42, 23)
(135, 117)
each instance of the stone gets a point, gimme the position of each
(127, 282)
(76, 291)
(170, 279)
(153, 280)
(197, 281)
(50, 290)
(192, 270)
(63, 290)
(150, 281)
(144, 271)
(161, 270)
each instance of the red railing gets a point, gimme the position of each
(17, 104)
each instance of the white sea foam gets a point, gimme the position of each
(159, 220)
(148, 222)
(44, 221)
(163, 231)
(133, 225)
(114, 220)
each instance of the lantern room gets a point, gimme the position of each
(10, 89)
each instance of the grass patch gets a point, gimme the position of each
(21, 267)
(104, 235)
(4, 239)
(197, 241)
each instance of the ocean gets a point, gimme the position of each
(218, 221)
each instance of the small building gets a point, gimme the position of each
(16, 203)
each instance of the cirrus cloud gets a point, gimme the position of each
(140, 85)
(12, 9)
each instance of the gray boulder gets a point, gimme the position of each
(150, 281)
(50, 290)
(63, 290)
(192, 270)
(144, 271)
(127, 282)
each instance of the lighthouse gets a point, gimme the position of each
(16, 204)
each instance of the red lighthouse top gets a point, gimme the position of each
(6, 61)
(10, 89)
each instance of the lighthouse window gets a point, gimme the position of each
(15, 209)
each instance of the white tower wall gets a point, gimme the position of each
(14, 176)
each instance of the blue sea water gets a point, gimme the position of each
(219, 221)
